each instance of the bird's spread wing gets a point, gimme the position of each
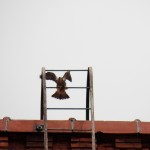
(67, 76)
(51, 76)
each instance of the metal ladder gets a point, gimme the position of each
(89, 103)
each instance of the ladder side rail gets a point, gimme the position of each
(92, 108)
(87, 96)
(41, 113)
(44, 109)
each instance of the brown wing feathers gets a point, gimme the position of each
(61, 84)
(51, 76)
(67, 76)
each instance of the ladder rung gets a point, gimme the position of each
(69, 108)
(66, 70)
(70, 87)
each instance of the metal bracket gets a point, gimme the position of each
(72, 121)
(6, 120)
(138, 128)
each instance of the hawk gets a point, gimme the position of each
(60, 84)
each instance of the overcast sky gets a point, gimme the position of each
(111, 36)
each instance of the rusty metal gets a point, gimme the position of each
(44, 109)
(91, 96)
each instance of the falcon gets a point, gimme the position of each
(60, 84)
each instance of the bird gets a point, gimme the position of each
(60, 84)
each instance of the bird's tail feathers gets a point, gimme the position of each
(60, 95)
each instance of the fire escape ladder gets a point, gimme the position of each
(89, 104)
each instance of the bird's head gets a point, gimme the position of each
(60, 79)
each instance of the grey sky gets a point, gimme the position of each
(112, 36)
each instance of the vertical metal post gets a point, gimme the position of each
(44, 109)
(87, 96)
(92, 108)
(41, 114)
